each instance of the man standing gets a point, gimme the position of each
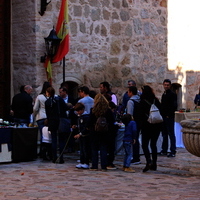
(168, 108)
(22, 105)
(126, 97)
(133, 109)
(86, 100)
(106, 89)
(64, 94)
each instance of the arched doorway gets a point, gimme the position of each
(177, 88)
(72, 88)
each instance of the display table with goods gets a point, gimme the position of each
(179, 116)
(24, 144)
(5, 144)
(18, 144)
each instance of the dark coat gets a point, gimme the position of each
(22, 105)
(71, 100)
(197, 99)
(82, 122)
(168, 104)
(55, 109)
(110, 120)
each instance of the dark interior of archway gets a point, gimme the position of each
(72, 88)
(175, 87)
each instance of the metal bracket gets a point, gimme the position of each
(43, 6)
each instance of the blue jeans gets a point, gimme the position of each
(128, 153)
(119, 141)
(40, 124)
(168, 130)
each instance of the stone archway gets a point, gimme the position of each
(71, 84)
(72, 88)
(177, 88)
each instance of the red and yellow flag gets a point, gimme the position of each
(62, 30)
(47, 65)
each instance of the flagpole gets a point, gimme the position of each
(63, 69)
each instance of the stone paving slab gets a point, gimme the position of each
(176, 178)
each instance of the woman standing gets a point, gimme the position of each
(39, 109)
(55, 109)
(150, 132)
(99, 140)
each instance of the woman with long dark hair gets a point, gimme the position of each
(55, 109)
(150, 132)
(99, 140)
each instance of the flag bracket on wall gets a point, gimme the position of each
(43, 6)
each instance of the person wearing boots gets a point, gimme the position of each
(150, 132)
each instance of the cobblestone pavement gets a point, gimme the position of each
(176, 178)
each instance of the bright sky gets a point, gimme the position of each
(184, 34)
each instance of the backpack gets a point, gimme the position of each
(154, 115)
(101, 124)
(136, 110)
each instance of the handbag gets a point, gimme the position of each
(154, 115)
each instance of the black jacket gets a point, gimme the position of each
(82, 122)
(22, 105)
(55, 109)
(168, 104)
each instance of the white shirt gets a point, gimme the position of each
(46, 135)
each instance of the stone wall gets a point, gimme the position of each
(118, 40)
(23, 44)
(110, 40)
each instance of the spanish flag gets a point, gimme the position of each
(62, 30)
(48, 67)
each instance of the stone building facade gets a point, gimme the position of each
(110, 40)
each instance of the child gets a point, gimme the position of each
(83, 135)
(46, 142)
(128, 140)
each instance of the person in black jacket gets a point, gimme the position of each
(82, 135)
(168, 108)
(22, 105)
(100, 140)
(55, 110)
(150, 132)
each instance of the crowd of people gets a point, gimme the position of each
(95, 120)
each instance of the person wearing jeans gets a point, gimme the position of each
(168, 108)
(99, 140)
(128, 140)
